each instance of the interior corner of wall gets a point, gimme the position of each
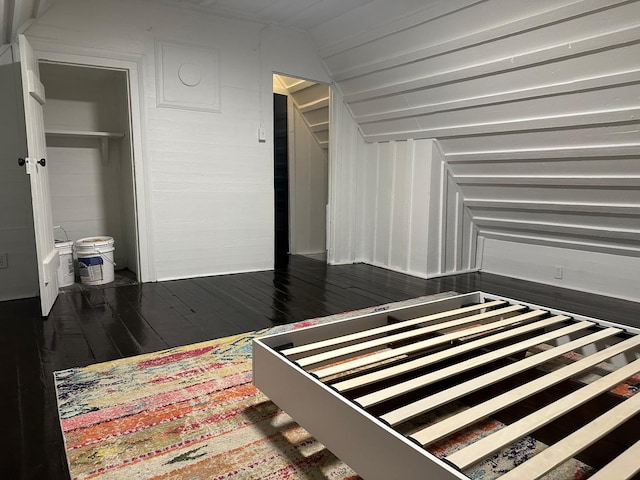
(437, 148)
(479, 250)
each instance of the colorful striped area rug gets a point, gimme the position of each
(192, 413)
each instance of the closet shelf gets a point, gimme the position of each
(83, 133)
(103, 137)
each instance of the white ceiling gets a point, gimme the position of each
(298, 14)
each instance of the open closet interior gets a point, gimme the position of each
(89, 156)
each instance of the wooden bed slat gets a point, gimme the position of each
(418, 346)
(623, 467)
(359, 347)
(424, 380)
(390, 372)
(511, 433)
(452, 424)
(429, 403)
(408, 358)
(574, 443)
(387, 328)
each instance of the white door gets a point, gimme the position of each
(36, 167)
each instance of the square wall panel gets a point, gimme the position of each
(187, 77)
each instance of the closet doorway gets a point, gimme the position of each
(89, 153)
(83, 124)
(301, 177)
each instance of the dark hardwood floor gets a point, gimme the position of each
(87, 327)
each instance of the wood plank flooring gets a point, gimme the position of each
(93, 326)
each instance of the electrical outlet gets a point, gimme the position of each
(557, 272)
(4, 260)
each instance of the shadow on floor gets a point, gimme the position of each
(121, 278)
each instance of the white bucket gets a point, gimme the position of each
(66, 274)
(95, 260)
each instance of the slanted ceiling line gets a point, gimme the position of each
(595, 152)
(557, 207)
(319, 127)
(314, 105)
(571, 120)
(299, 85)
(590, 246)
(561, 51)
(561, 14)
(617, 181)
(432, 12)
(551, 227)
(555, 89)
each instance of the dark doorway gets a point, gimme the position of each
(281, 178)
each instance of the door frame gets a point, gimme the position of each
(132, 65)
(292, 164)
(278, 257)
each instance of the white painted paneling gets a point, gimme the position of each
(386, 160)
(291, 53)
(376, 19)
(534, 106)
(80, 98)
(396, 204)
(597, 69)
(597, 272)
(301, 15)
(20, 279)
(309, 183)
(347, 152)
(423, 218)
(401, 206)
(398, 210)
(521, 104)
(367, 193)
(86, 195)
(211, 181)
(124, 148)
(91, 195)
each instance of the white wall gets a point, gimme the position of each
(394, 204)
(534, 105)
(16, 221)
(123, 150)
(210, 180)
(399, 210)
(347, 150)
(582, 270)
(90, 195)
(308, 175)
(80, 98)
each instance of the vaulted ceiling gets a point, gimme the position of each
(298, 14)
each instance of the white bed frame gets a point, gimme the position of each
(309, 372)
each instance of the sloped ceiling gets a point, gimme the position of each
(298, 14)
(534, 105)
